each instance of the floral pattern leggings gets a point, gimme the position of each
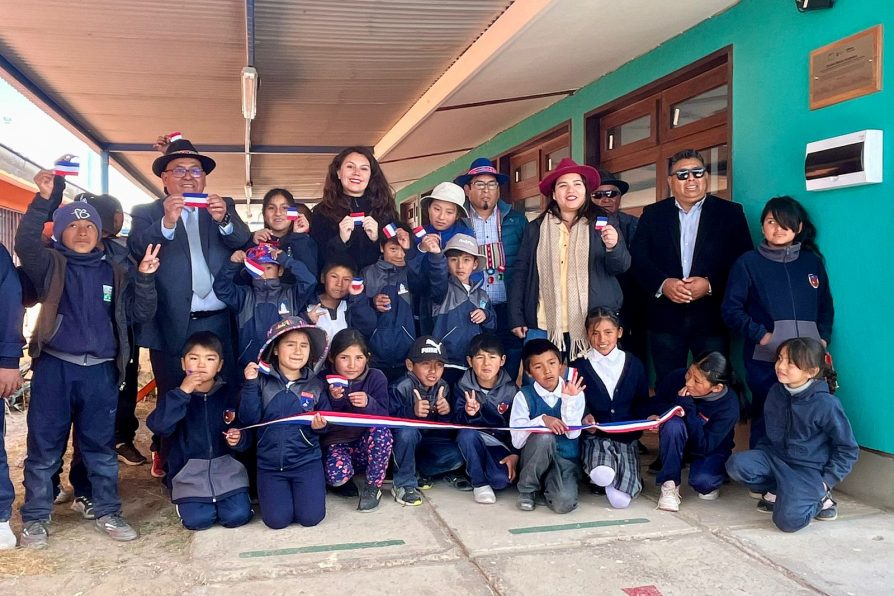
(370, 452)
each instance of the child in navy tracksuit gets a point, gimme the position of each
(465, 310)
(809, 446)
(267, 300)
(385, 316)
(550, 461)
(710, 400)
(291, 484)
(446, 215)
(617, 390)
(207, 484)
(777, 292)
(11, 341)
(356, 388)
(422, 395)
(483, 397)
(80, 346)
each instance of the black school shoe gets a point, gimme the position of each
(829, 513)
(459, 482)
(369, 498)
(765, 506)
(128, 454)
(347, 490)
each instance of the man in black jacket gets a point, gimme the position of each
(683, 250)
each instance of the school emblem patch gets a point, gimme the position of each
(813, 279)
(503, 407)
(229, 416)
(306, 399)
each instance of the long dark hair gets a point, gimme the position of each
(343, 340)
(335, 205)
(718, 371)
(790, 214)
(588, 211)
(807, 353)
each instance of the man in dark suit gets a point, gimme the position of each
(682, 252)
(196, 242)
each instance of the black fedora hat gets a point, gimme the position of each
(611, 180)
(178, 149)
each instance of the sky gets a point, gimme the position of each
(27, 130)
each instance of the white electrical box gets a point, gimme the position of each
(849, 160)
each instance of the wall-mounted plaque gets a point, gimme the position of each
(846, 69)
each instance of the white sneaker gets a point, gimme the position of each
(7, 538)
(711, 496)
(670, 497)
(484, 495)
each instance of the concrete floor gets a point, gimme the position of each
(451, 545)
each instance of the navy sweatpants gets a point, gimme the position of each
(798, 489)
(63, 393)
(761, 376)
(706, 471)
(426, 451)
(230, 512)
(292, 496)
(483, 461)
(7, 492)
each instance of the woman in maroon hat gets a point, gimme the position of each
(568, 263)
(357, 203)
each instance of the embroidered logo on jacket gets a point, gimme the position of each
(229, 416)
(306, 399)
(503, 407)
(813, 279)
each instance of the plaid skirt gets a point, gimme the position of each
(623, 458)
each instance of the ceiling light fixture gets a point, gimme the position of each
(249, 92)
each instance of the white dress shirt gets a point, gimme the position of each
(572, 410)
(608, 368)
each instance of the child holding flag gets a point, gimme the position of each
(267, 300)
(291, 484)
(330, 307)
(287, 227)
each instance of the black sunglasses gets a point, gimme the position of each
(684, 173)
(606, 194)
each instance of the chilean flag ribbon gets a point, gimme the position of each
(366, 420)
(358, 218)
(292, 213)
(263, 367)
(419, 232)
(66, 166)
(337, 380)
(390, 230)
(601, 222)
(195, 199)
(175, 136)
(253, 267)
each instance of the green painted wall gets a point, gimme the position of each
(771, 125)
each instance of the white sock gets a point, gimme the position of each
(7, 538)
(770, 497)
(602, 475)
(617, 499)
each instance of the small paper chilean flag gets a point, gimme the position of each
(570, 374)
(358, 218)
(195, 199)
(419, 232)
(357, 284)
(263, 367)
(292, 213)
(255, 268)
(175, 136)
(66, 166)
(601, 222)
(390, 230)
(337, 381)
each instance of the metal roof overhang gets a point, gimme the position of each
(420, 81)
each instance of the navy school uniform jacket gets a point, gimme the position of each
(496, 404)
(283, 446)
(711, 423)
(429, 267)
(391, 333)
(810, 429)
(783, 291)
(452, 323)
(402, 400)
(375, 385)
(11, 313)
(259, 305)
(630, 400)
(78, 318)
(199, 465)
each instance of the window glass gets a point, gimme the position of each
(627, 133)
(698, 107)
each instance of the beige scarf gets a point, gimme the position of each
(549, 258)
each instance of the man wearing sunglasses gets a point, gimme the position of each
(196, 242)
(608, 196)
(683, 250)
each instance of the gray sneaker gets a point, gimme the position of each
(84, 506)
(116, 527)
(34, 534)
(407, 496)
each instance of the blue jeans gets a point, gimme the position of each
(706, 471)
(429, 453)
(7, 492)
(63, 393)
(230, 512)
(483, 461)
(293, 496)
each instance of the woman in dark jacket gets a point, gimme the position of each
(568, 263)
(357, 203)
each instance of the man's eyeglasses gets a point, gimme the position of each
(606, 194)
(684, 173)
(481, 185)
(180, 171)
